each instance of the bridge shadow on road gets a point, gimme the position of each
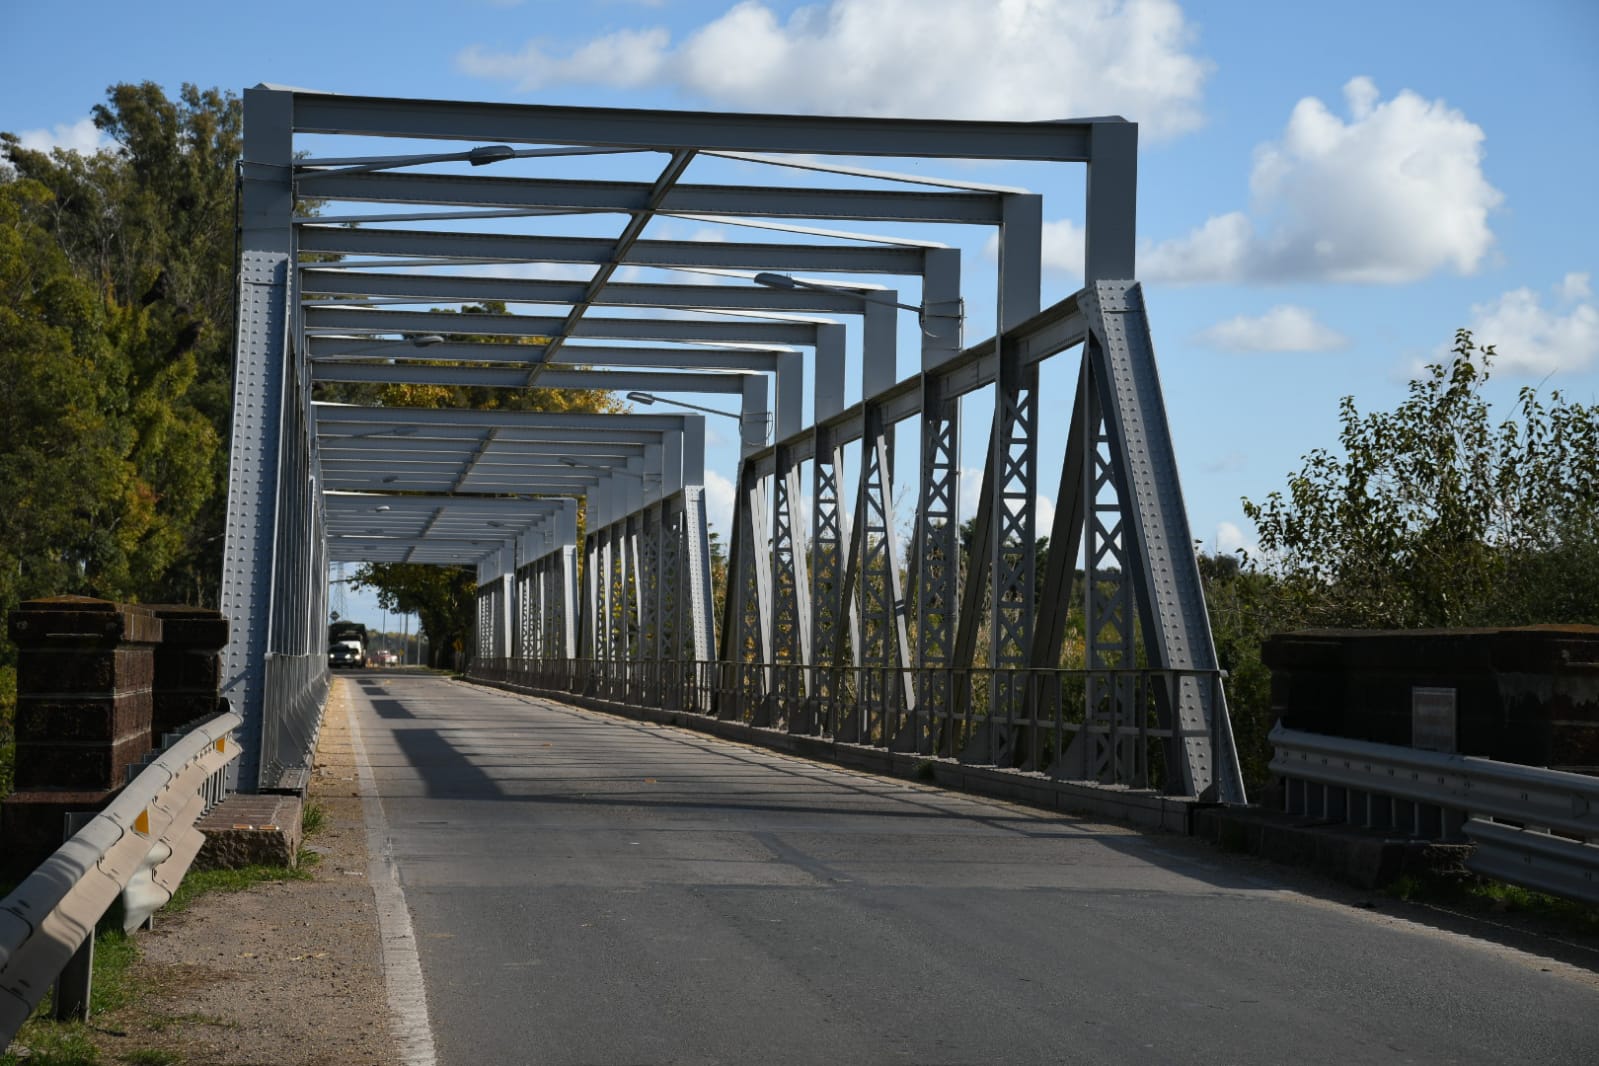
(466, 744)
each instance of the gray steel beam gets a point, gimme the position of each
(432, 417)
(545, 194)
(1171, 595)
(491, 123)
(732, 357)
(259, 385)
(621, 247)
(738, 331)
(476, 289)
(489, 377)
(516, 248)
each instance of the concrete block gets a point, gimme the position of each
(255, 829)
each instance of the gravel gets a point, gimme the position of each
(287, 973)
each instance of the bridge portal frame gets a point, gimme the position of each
(850, 603)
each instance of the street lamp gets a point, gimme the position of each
(641, 475)
(648, 398)
(427, 340)
(786, 281)
(397, 431)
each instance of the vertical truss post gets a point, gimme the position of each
(1202, 757)
(1003, 552)
(506, 619)
(791, 601)
(266, 213)
(937, 530)
(884, 644)
(649, 584)
(829, 538)
(789, 638)
(749, 597)
(698, 602)
(1013, 550)
(563, 600)
(1104, 749)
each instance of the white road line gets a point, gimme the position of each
(402, 969)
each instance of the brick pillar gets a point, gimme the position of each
(188, 666)
(85, 668)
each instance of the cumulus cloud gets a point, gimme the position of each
(994, 59)
(1393, 193)
(80, 136)
(1230, 539)
(1535, 340)
(1043, 516)
(719, 504)
(1285, 328)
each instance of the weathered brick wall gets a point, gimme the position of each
(85, 684)
(1527, 695)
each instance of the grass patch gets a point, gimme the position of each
(43, 1041)
(313, 818)
(152, 1057)
(198, 883)
(1479, 895)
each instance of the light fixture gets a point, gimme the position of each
(648, 398)
(426, 340)
(786, 281)
(490, 153)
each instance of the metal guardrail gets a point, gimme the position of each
(1511, 812)
(138, 848)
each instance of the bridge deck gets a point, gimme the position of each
(589, 890)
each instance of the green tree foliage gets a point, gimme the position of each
(444, 599)
(147, 227)
(116, 279)
(1432, 515)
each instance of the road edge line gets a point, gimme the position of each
(402, 966)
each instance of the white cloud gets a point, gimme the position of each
(995, 59)
(1229, 538)
(1535, 340)
(80, 136)
(719, 505)
(1043, 516)
(1391, 195)
(1063, 247)
(1285, 328)
(1227, 463)
(1574, 287)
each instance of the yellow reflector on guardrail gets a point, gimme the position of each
(141, 824)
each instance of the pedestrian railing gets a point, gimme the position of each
(137, 849)
(1533, 827)
(1109, 725)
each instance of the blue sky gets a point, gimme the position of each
(1326, 191)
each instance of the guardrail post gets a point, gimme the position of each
(75, 983)
(85, 672)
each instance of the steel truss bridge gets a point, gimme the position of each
(589, 531)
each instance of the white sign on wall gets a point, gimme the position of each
(1432, 719)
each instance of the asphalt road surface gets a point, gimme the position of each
(586, 889)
